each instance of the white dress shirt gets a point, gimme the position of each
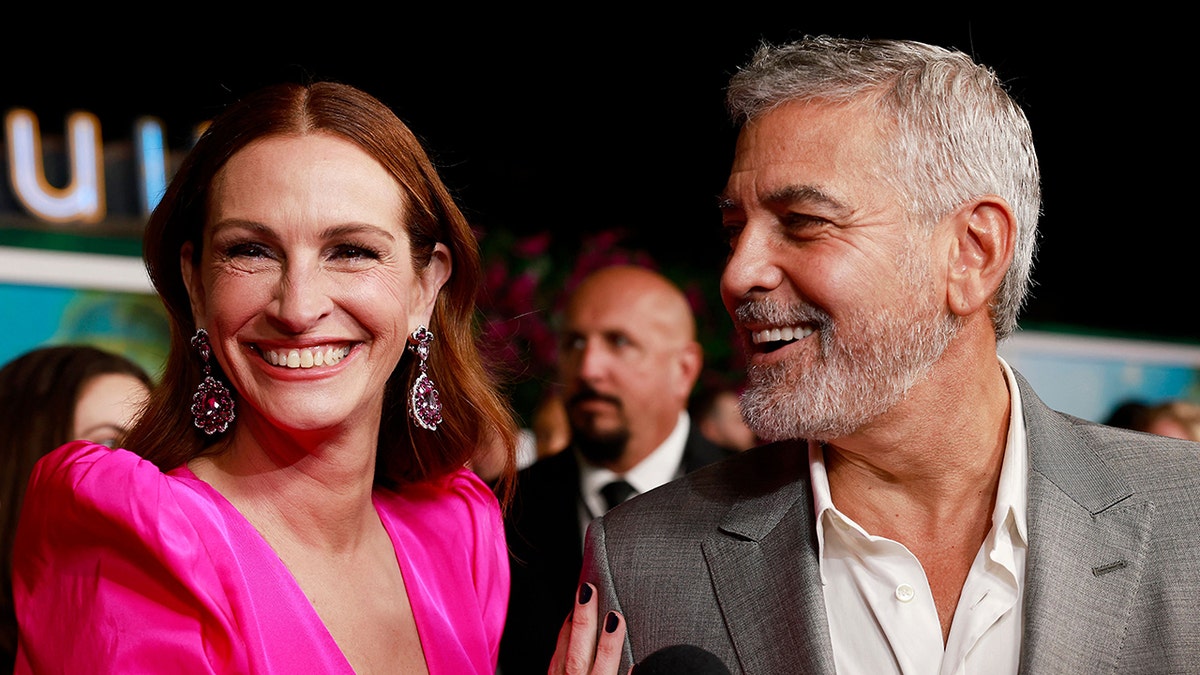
(664, 464)
(882, 617)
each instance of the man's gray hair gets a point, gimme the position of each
(957, 132)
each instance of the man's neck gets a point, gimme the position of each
(928, 461)
(926, 473)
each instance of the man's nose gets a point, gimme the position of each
(751, 266)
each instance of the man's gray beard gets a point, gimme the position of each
(868, 363)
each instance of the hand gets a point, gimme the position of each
(585, 647)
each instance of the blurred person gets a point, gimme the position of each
(1129, 414)
(52, 395)
(551, 430)
(547, 432)
(917, 508)
(296, 496)
(1177, 419)
(719, 418)
(1173, 418)
(628, 359)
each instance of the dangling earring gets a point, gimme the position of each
(424, 406)
(212, 406)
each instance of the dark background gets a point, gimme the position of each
(609, 118)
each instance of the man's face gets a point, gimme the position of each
(835, 293)
(621, 365)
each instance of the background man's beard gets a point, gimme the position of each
(597, 447)
(601, 448)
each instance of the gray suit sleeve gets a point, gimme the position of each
(596, 571)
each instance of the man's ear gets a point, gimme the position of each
(983, 237)
(192, 280)
(691, 361)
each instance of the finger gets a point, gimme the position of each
(581, 644)
(558, 661)
(612, 641)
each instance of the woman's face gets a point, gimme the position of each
(305, 282)
(107, 407)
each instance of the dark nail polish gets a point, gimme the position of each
(585, 594)
(611, 622)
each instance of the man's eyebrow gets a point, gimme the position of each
(801, 194)
(785, 196)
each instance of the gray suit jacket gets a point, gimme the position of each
(726, 558)
(546, 551)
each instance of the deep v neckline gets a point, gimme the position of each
(248, 536)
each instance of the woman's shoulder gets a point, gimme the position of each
(458, 504)
(88, 470)
(84, 486)
(456, 491)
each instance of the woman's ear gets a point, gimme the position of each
(430, 281)
(984, 236)
(193, 281)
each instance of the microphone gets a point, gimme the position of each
(678, 659)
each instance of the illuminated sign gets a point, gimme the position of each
(69, 187)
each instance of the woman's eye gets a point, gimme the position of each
(354, 252)
(248, 250)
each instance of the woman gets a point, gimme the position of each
(49, 396)
(283, 513)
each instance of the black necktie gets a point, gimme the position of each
(616, 492)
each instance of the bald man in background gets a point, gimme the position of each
(628, 360)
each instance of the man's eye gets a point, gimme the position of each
(802, 222)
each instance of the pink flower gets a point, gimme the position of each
(532, 246)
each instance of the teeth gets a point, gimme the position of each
(778, 334)
(310, 357)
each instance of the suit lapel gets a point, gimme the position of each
(1088, 536)
(763, 563)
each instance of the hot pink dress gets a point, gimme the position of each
(121, 568)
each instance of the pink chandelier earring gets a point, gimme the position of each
(424, 406)
(212, 406)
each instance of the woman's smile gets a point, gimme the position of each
(305, 357)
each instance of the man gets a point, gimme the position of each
(921, 511)
(628, 361)
(718, 416)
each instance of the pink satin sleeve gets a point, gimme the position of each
(96, 573)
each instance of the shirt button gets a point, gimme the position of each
(905, 593)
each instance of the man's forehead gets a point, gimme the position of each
(639, 318)
(802, 150)
(616, 313)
